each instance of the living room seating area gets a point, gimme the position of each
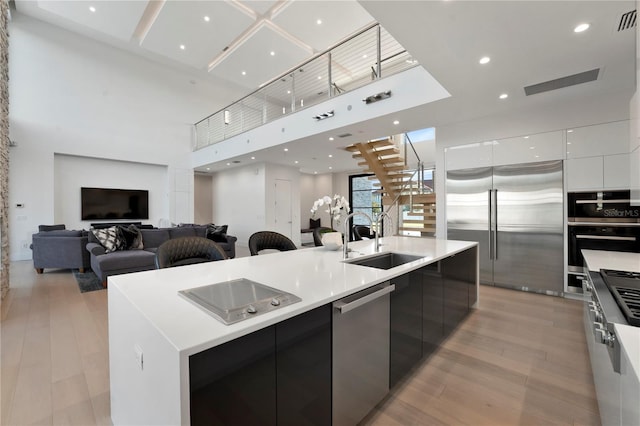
(116, 249)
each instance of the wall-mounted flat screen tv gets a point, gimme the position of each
(107, 203)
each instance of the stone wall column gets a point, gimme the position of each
(4, 148)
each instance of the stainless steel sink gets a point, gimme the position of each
(236, 300)
(385, 260)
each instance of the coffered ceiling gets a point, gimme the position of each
(247, 43)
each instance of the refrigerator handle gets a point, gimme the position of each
(495, 226)
(490, 203)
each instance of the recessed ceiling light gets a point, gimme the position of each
(364, 56)
(331, 138)
(319, 22)
(396, 122)
(244, 73)
(568, 143)
(208, 168)
(315, 173)
(330, 168)
(296, 162)
(570, 131)
(272, 53)
(207, 19)
(485, 60)
(532, 147)
(319, 77)
(526, 137)
(253, 158)
(288, 92)
(330, 156)
(92, 9)
(504, 96)
(228, 164)
(580, 28)
(182, 47)
(286, 149)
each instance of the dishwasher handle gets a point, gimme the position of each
(346, 307)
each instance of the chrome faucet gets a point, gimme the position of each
(345, 248)
(378, 221)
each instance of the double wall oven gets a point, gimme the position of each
(600, 220)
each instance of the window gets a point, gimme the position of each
(363, 197)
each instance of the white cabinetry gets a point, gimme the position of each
(469, 156)
(598, 140)
(518, 150)
(584, 173)
(528, 149)
(598, 157)
(629, 383)
(616, 171)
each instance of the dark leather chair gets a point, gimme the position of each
(187, 251)
(317, 235)
(264, 240)
(361, 231)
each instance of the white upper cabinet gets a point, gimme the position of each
(478, 154)
(599, 139)
(584, 173)
(616, 171)
(529, 149)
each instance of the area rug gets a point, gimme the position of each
(87, 281)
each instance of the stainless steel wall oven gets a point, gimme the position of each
(600, 220)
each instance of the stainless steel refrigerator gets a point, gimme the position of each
(516, 214)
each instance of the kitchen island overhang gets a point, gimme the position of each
(153, 331)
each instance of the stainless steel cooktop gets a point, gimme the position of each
(236, 300)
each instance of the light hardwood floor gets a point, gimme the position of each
(519, 359)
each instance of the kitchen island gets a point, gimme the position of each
(155, 335)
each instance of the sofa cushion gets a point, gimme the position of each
(109, 238)
(154, 237)
(127, 259)
(46, 228)
(192, 231)
(131, 237)
(217, 233)
(61, 233)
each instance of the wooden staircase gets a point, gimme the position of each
(383, 159)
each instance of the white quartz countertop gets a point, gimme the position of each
(629, 336)
(620, 261)
(316, 275)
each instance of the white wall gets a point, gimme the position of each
(239, 201)
(606, 108)
(72, 173)
(73, 96)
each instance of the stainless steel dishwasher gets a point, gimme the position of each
(360, 353)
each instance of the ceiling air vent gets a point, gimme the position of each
(345, 135)
(559, 83)
(627, 20)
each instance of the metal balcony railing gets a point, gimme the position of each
(353, 63)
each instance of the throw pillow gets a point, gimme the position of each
(217, 233)
(109, 238)
(130, 236)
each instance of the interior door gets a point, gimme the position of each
(468, 194)
(283, 216)
(529, 251)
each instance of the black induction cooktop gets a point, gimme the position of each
(625, 287)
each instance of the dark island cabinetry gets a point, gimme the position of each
(426, 306)
(277, 375)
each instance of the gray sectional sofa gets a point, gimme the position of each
(135, 260)
(60, 248)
